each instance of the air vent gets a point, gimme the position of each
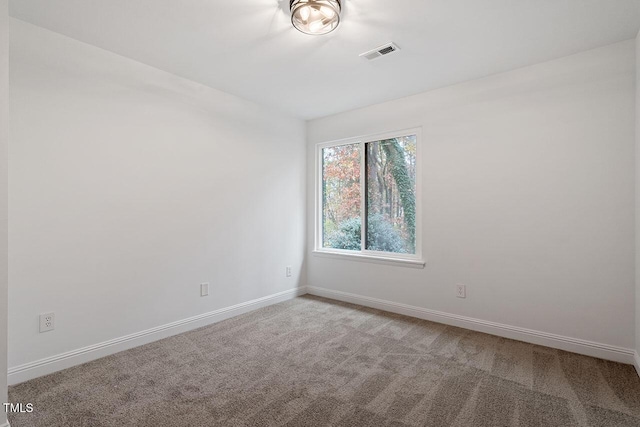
(380, 51)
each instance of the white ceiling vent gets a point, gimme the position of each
(383, 50)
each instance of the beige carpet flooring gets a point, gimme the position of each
(316, 362)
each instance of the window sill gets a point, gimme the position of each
(371, 258)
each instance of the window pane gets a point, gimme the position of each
(391, 195)
(341, 223)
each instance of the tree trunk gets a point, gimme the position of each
(395, 157)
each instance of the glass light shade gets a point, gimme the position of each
(315, 17)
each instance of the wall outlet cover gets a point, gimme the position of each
(204, 289)
(47, 322)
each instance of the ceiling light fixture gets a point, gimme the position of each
(315, 17)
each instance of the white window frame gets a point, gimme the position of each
(410, 260)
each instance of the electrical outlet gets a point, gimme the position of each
(288, 271)
(204, 289)
(47, 322)
(461, 291)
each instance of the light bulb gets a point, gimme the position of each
(316, 26)
(327, 12)
(305, 12)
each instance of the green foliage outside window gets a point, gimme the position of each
(381, 236)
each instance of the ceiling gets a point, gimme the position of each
(249, 48)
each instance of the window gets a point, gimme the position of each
(367, 204)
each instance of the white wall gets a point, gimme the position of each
(637, 347)
(4, 133)
(528, 191)
(129, 187)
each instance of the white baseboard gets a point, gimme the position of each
(636, 362)
(66, 360)
(574, 345)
